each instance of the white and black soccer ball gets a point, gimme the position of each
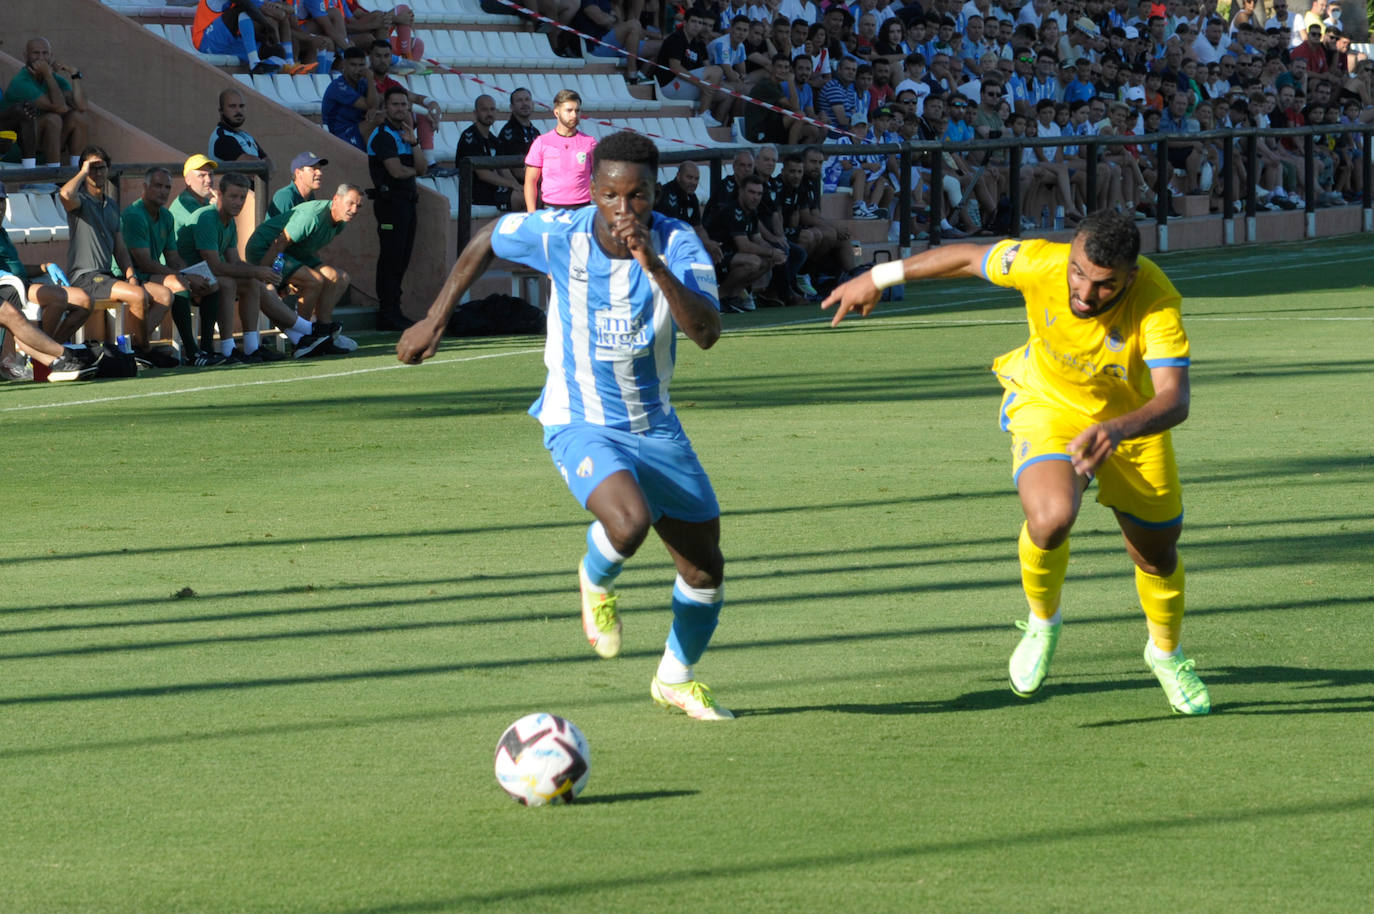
(542, 759)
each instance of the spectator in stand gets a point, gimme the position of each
(613, 33)
(257, 33)
(394, 161)
(229, 142)
(1312, 51)
(307, 175)
(351, 108)
(150, 235)
(685, 73)
(62, 310)
(558, 167)
(517, 136)
(326, 18)
(298, 237)
(379, 62)
(762, 125)
(54, 90)
(490, 186)
(839, 102)
(97, 243)
(747, 257)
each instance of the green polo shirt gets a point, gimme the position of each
(284, 200)
(206, 233)
(309, 226)
(141, 230)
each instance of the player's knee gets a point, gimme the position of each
(626, 528)
(1049, 523)
(710, 576)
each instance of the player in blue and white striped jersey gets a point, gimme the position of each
(624, 280)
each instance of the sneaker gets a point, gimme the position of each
(804, 283)
(693, 697)
(709, 119)
(1030, 662)
(308, 345)
(862, 212)
(158, 357)
(344, 343)
(264, 68)
(732, 305)
(331, 329)
(599, 620)
(1186, 693)
(75, 365)
(949, 231)
(207, 360)
(268, 354)
(1287, 203)
(239, 357)
(16, 368)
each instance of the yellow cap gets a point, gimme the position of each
(197, 162)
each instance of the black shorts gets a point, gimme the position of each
(99, 286)
(723, 267)
(7, 294)
(1178, 155)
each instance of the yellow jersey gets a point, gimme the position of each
(1096, 366)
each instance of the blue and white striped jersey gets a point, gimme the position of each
(611, 337)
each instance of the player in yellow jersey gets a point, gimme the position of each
(1093, 394)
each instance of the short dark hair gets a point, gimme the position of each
(234, 179)
(394, 90)
(625, 146)
(749, 179)
(354, 53)
(1110, 239)
(379, 43)
(566, 95)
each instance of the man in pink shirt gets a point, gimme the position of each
(561, 159)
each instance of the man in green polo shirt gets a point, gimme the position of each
(298, 236)
(150, 235)
(54, 89)
(212, 236)
(306, 177)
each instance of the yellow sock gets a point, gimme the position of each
(1162, 600)
(1042, 574)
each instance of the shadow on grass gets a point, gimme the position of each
(633, 797)
(717, 869)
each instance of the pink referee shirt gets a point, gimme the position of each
(567, 165)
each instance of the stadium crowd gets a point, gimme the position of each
(779, 73)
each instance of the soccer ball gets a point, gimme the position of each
(542, 759)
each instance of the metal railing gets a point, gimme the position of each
(1092, 146)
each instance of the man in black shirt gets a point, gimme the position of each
(516, 136)
(394, 159)
(747, 256)
(684, 71)
(678, 198)
(490, 186)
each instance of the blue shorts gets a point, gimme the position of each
(661, 461)
(219, 40)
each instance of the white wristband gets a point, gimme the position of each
(888, 274)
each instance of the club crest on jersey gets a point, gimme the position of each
(581, 158)
(1009, 257)
(584, 469)
(509, 225)
(1114, 341)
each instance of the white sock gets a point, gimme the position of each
(603, 544)
(252, 59)
(1160, 654)
(1038, 623)
(75, 161)
(226, 347)
(252, 339)
(672, 671)
(28, 163)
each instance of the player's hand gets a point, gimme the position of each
(1091, 447)
(196, 284)
(858, 294)
(41, 68)
(419, 342)
(269, 276)
(635, 236)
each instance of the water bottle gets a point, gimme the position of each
(124, 343)
(278, 265)
(1045, 217)
(1058, 218)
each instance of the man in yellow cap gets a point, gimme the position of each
(199, 174)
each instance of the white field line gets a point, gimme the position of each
(1265, 263)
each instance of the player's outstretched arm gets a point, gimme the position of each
(1167, 408)
(947, 261)
(421, 341)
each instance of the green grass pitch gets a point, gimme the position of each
(382, 561)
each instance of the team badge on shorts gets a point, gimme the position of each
(584, 469)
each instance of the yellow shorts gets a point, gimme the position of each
(1139, 479)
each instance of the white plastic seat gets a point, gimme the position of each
(20, 219)
(49, 212)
